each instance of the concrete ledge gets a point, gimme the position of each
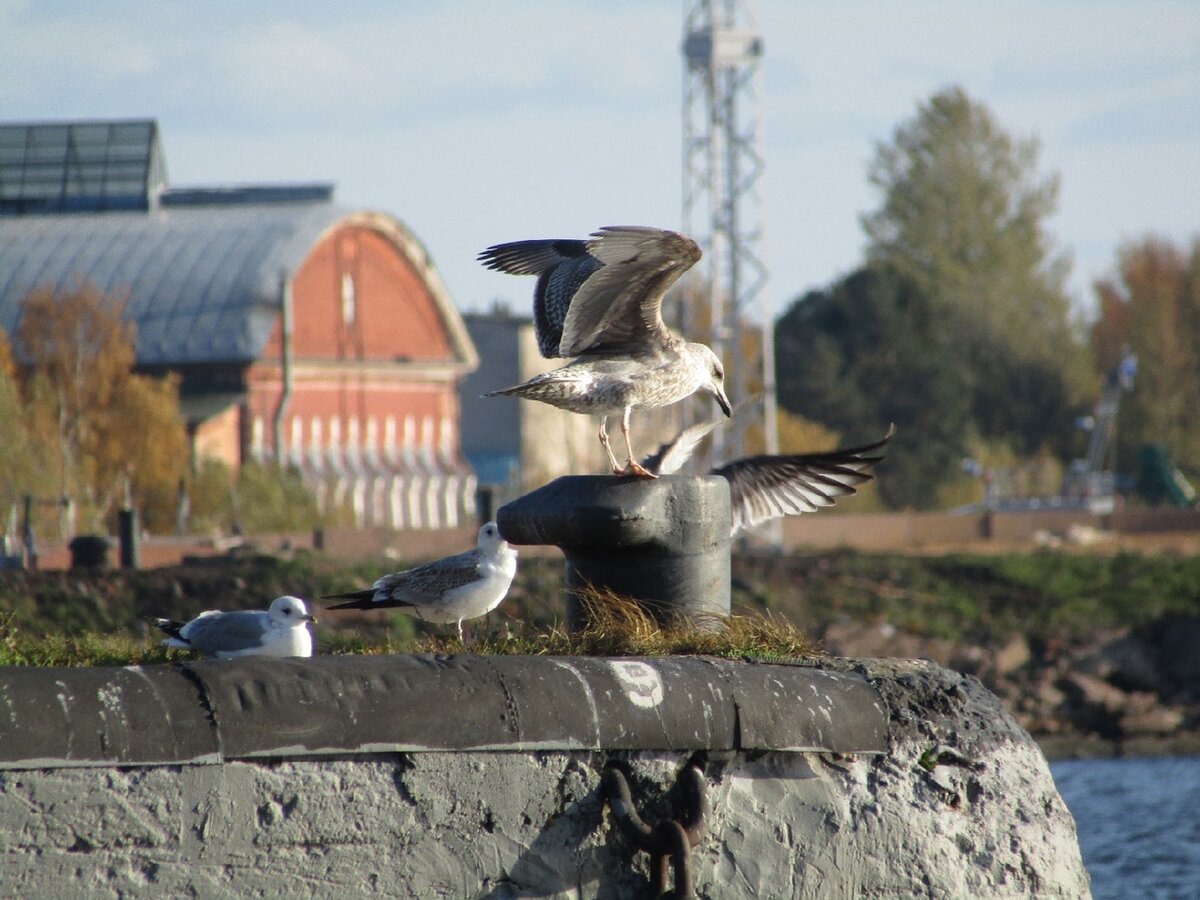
(212, 711)
(959, 804)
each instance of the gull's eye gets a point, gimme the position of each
(287, 610)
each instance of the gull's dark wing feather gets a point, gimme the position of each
(354, 599)
(562, 267)
(169, 627)
(768, 487)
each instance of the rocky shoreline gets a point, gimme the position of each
(1128, 692)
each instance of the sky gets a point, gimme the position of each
(481, 121)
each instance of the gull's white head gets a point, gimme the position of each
(289, 612)
(490, 540)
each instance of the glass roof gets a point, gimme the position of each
(80, 166)
(202, 282)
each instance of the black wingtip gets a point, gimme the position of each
(169, 627)
(351, 604)
(489, 257)
(354, 600)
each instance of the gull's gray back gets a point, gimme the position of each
(229, 631)
(426, 585)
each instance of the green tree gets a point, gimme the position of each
(962, 219)
(271, 498)
(872, 350)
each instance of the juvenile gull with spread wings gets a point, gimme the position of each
(600, 301)
(768, 487)
(458, 587)
(280, 630)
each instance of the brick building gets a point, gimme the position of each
(303, 332)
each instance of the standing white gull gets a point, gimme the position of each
(768, 487)
(280, 630)
(600, 301)
(458, 587)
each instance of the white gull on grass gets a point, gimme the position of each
(768, 487)
(464, 586)
(280, 630)
(600, 301)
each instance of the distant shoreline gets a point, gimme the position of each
(1060, 747)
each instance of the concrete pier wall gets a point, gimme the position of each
(481, 777)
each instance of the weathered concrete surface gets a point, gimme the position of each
(985, 822)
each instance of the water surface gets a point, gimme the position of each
(1138, 822)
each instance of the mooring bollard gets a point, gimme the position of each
(128, 538)
(663, 542)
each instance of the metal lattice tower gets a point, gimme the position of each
(723, 209)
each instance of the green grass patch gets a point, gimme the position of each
(22, 648)
(975, 597)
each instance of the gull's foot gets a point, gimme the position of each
(635, 468)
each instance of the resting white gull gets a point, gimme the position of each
(768, 487)
(600, 301)
(280, 630)
(458, 587)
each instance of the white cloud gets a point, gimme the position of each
(483, 121)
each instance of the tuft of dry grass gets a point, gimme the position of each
(620, 626)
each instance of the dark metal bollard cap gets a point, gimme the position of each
(674, 512)
(663, 542)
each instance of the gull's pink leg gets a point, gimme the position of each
(632, 466)
(612, 460)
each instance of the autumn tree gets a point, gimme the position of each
(24, 467)
(962, 219)
(112, 429)
(1152, 308)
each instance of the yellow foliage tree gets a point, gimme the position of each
(113, 430)
(22, 461)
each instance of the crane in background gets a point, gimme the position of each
(1092, 479)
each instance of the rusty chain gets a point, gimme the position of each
(670, 842)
